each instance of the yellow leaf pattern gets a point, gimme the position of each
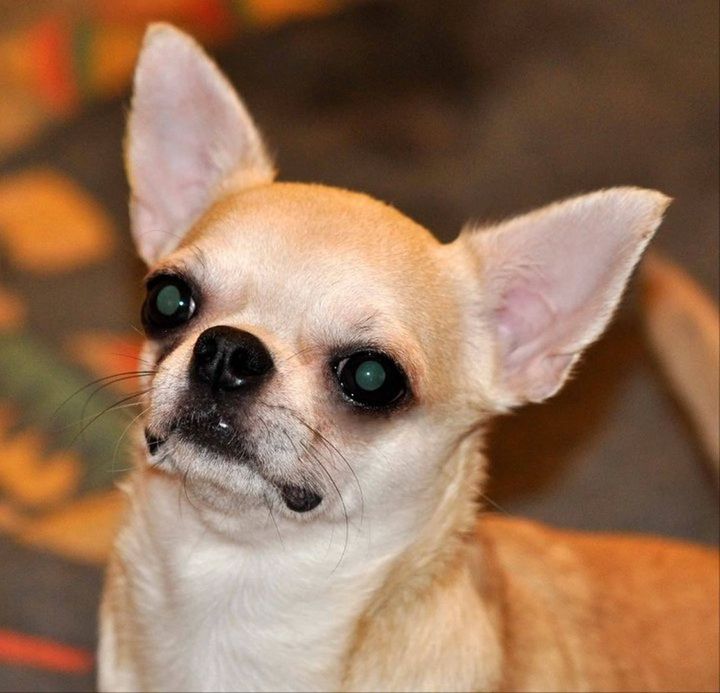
(28, 474)
(49, 224)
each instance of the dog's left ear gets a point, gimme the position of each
(189, 139)
(548, 282)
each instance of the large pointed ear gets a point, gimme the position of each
(189, 139)
(548, 283)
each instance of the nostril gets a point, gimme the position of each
(246, 362)
(239, 364)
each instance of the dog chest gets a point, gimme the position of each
(203, 614)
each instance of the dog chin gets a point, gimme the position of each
(218, 461)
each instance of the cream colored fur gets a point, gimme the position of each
(392, 582)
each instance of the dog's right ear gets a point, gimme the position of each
(189, 140)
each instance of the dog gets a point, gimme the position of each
(320, 370)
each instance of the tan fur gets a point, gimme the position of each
(603, 612)
(556, 610)
(504, 605)
(205, 591)
(321, 232)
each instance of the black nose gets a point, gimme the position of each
(229, 359)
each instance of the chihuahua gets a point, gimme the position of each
(320, 369)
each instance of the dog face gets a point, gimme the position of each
(301, 354)
(314, 350)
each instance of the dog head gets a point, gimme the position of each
(314, 349)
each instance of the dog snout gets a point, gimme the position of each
(227, 358)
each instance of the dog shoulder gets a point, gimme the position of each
(603, 609)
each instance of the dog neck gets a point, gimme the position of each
(275, 600)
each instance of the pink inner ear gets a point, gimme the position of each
(522, 317)
(528, 328)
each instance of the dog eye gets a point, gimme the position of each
(371, 379)
(169, 303)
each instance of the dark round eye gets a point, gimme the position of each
(169, 303)
(371, 379)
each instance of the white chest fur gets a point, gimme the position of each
(189, 609)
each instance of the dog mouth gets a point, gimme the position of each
(215, 434)
(299, 498)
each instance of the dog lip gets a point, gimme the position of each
(214, 433)
(153, 442)
(298, 498)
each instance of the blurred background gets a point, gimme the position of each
(451, 111)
